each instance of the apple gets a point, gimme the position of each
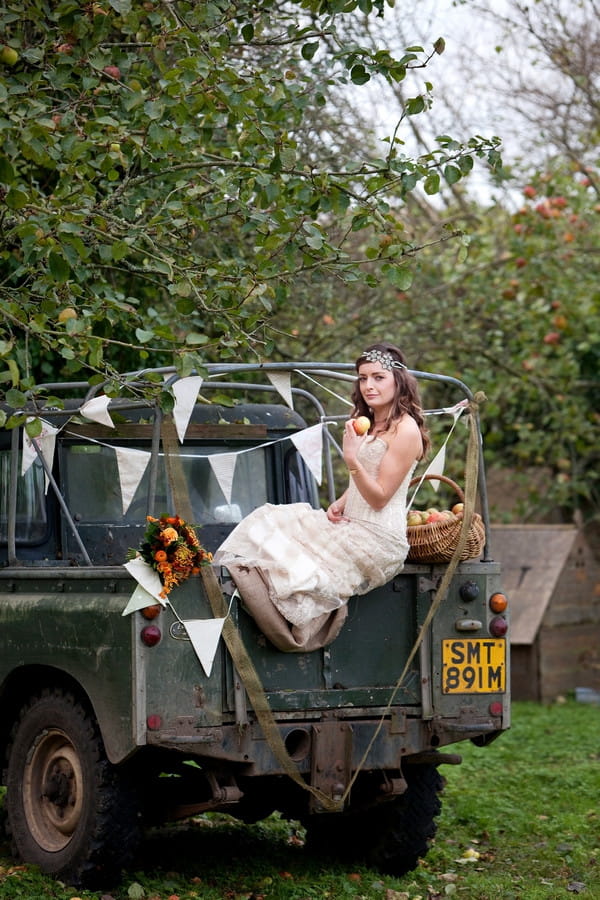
(67, 313)
(458, 508)
(113, 71)
(414, 518)
(8, 55)
(361, 425)
(435, 516)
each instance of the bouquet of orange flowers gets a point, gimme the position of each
(170, 546)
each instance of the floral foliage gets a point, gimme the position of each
(171, 547)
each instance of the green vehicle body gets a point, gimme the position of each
(351, 730)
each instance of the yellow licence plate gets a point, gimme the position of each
(474, 666)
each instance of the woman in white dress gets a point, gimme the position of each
(309, 562)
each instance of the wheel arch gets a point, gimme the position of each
(25, 681)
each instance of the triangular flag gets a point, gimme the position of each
(147, 577)
(223, 465)
(96, 410)
(131, 465)
(282, 382)
(204, 635)
(309, 444)
(436, 466)
(140, 599)
(186, 393)
(45, 441)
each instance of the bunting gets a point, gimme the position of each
(282, 382)
(131, 465)
(96, 410)
(185, 391)
(223, 466)
(309, 444)
(204, 635)
(148, 579)
(45, 442)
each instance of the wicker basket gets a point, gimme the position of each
(436, 542)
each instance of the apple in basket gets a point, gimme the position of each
(361, 424)
(435, 516)
(414, 518)
(458, 509)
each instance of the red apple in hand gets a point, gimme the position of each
(361, 424)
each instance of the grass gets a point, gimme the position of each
(520, 821)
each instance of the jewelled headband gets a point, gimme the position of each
(385, 360)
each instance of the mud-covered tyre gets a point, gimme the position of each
(390, 838)
(67, 809)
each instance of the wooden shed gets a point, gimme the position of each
(552, 580)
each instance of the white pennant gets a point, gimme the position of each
(45, 441)
(186, 393)
(147, 578)
(223, 465)
(140, 599)
(309, 444)
(131, 465)
(437, 465)
(204, 635)
(96, 410)
(282, 382)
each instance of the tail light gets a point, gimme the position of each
(498, 626)
(150, 635)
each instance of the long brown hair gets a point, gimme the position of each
(406, 399)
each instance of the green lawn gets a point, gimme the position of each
(520, 819)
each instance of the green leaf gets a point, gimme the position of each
(194, 338)
(34, 427)
(16, 199)
(59, 267)
(248, 32)
(7, 173)
(359, 74)
(432, 183)
(143, 336)
(401, 277)
(16, 398)
(452, 174)
(309, 49)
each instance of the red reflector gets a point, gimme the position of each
(498, 626)
(496, 708)
(154, 722)
(151, 612)
(151, 635)
(498, 603)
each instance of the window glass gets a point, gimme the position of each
(92, 476)
(31, 522)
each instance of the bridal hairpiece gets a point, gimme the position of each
(386, 360)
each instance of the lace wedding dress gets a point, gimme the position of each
(315, 565)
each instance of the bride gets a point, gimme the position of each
(309, 562)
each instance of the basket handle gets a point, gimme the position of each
(458, 490)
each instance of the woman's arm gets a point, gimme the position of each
(405, 445)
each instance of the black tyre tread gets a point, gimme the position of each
(96, 858)
(407, 828)
(390, 838)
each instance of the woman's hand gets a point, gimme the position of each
(335, 512)
(350, 444)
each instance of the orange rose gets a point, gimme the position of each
(168, 535)
(160, 556)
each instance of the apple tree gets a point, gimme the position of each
(158, 199)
